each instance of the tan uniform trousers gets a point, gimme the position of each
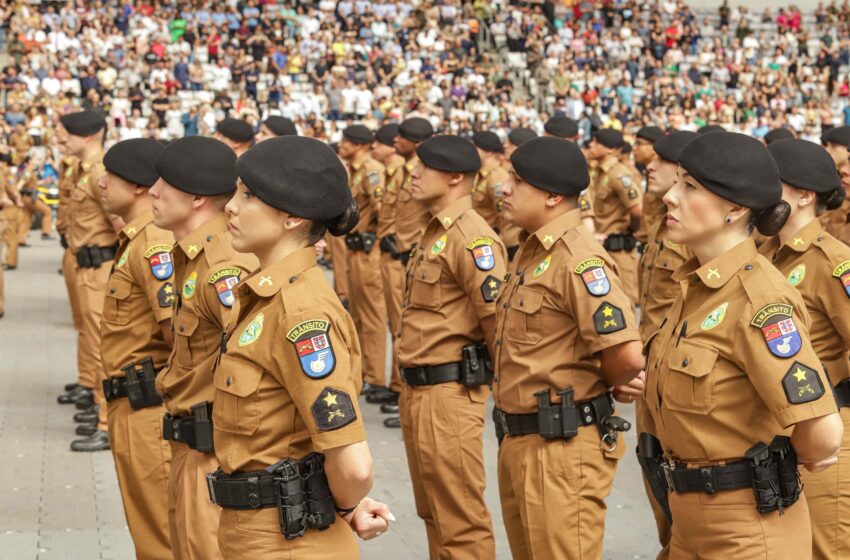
(828, 495)
(192, 517)
(442, 427)
(661, 523)
(10, 237)
(369, 312)
(255, 535)
(553, 494)
(69, 272)
(727, 525)
(627, 263)
(91, 288)
(392, 275)
(339, 261)
(142, 461)
(35, 207)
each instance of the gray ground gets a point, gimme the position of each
(57, 504)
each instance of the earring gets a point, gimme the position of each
(287, 224)
(728, 219)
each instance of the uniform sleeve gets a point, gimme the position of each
(155, 275)
(319, 364)
(834, 300)
(585, 204)
(624, 186)
(602, 311)
(479, 266)
(774, 350)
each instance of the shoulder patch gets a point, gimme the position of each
(608, 318)
(190, 286)
(224, 280)
(252, 332)
(592, 272)
(165, 295)
(482, 252)
(802, 384)
(543, 266)
(626, 180)
(583, 203)
(374, 178)
(439, 245)
(842, 272)
(490, 288)
(332, 410)
(313, 347)
(778, 328)
(796, 276)
(159, 259)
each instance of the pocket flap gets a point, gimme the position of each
(648, 344)
(429, 272)
(527, 300)
(185, 323)
(237, 376)
(692, 358)
(119, 289)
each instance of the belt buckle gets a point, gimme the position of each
(211, 487)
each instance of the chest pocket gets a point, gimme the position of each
(78, 194)
(185, 325)
(237, 396)
(603, 190)
(426, 291)
(390, 196)
(690, 385)
(116, 307)
(524, 317)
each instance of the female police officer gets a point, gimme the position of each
(288, 431)
(732, 366)
(818, 265)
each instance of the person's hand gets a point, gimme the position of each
(821, 465)
(371, 519)
(631, 391)
(320, 246)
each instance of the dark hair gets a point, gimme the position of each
(337, 226)
(769, 221)
(829, 200)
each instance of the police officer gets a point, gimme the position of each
(236, 133)
(276, 126)
(67, 180)
(137, 340)
(561, 126)
(643, 153)
(447, 325)
(197, 176)
(777, 134)
(564, 300)
(12, 213)
(487, 188)
(5, 202)
(731, 368)
(837, 143)
(818, 265)
(616, 204)
(368, 308)
(508, 231)
(286, 384)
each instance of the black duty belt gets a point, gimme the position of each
(243, 490)
(389, 245)
(195, 430)
(361, 241)
(842, 394)
(708, 479)
(431, 375)
(618, 242)
(92, 256)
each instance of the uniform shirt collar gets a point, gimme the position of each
(608, 163)
(720, 270)
(802, 239)
(267, 282)
(193, 244)
(447, 216)
(554, 230)
(411, 163)
(137, 224)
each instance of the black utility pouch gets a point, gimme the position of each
(790, 485)
(389, 245)
(473, 366)
(202, 413)
(547, 423)
(134, 386)
(765, 478)
(321, 509)
(649, 456)
(369, 240)
(95, 256)
(291, 499)
(569, 420)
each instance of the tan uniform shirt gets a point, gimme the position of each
(394, 175)
(486, 193)
(451, 283)
(837, 222)
(555, 314)
(614, 193)
(289, 381)
(367, 188)
(732, 363)
(67, 181)
(139, 295)
(818, 265)
(206, 270)
(411, 216)
(89, 222)
(654, 212)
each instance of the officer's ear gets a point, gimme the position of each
(552, 199)
(291, 222)
(457, 178)
(737, 212)
(807, 197)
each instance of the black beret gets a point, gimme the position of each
(416, 129)
(838, 135)
(552, 164)
(805, 165)
(651, 133)
(561, 126)
(358, 134)
(626, 148)
(386, 134)
(780, 133)
(83, 123)
(299, 175)
(280, 126)
(734, 166)
(710, 128)
(198, 165)
(609, 137)
(235, 129)
(134, 160)
(449, 153)
(488, 141)
(669, 146)
(521, 135)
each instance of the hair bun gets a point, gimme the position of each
(345, 222)
(835, 199)
(769, 221)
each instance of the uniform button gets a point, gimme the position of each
(498, 343)
(293, 279)
(229, 381)
(181, 329)
(209, 238)
(398, 335)
(504, 306)
(685, 362)
(112, 291)
(748, 267)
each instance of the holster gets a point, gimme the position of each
(776, 481)
(196, 430)
(390, 245)
(650, 455)
(475, 366)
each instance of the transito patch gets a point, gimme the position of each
(778, 328)
(842, 272)
(159, 259)
(482, 252)
(224, 281)
(592, 272)
(313, 346)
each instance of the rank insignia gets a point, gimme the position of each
(482, 252)
(626, 180)
(583, 204)
(190, 286)
(778, 328)
(796, 276)
(633, 193)
(543, 266)
(842, 272)
(592, 272)
(123, 260)
(608, 319)
(165, 295)
(714, 318)
(252, 332)
(438, 246)
(159, 259)
(802, 384)
(332, 410)
(313, 346)
(490, 288)
(224, 281)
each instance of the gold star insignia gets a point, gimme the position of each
(447, 221)
(713, 273)
(548, 239)
(330, 400)
(168, 289)
(265, 280)
(131, 230)
(798, 241)
(193, 249)
(608, 312)
(800, 375)
(493, 284)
